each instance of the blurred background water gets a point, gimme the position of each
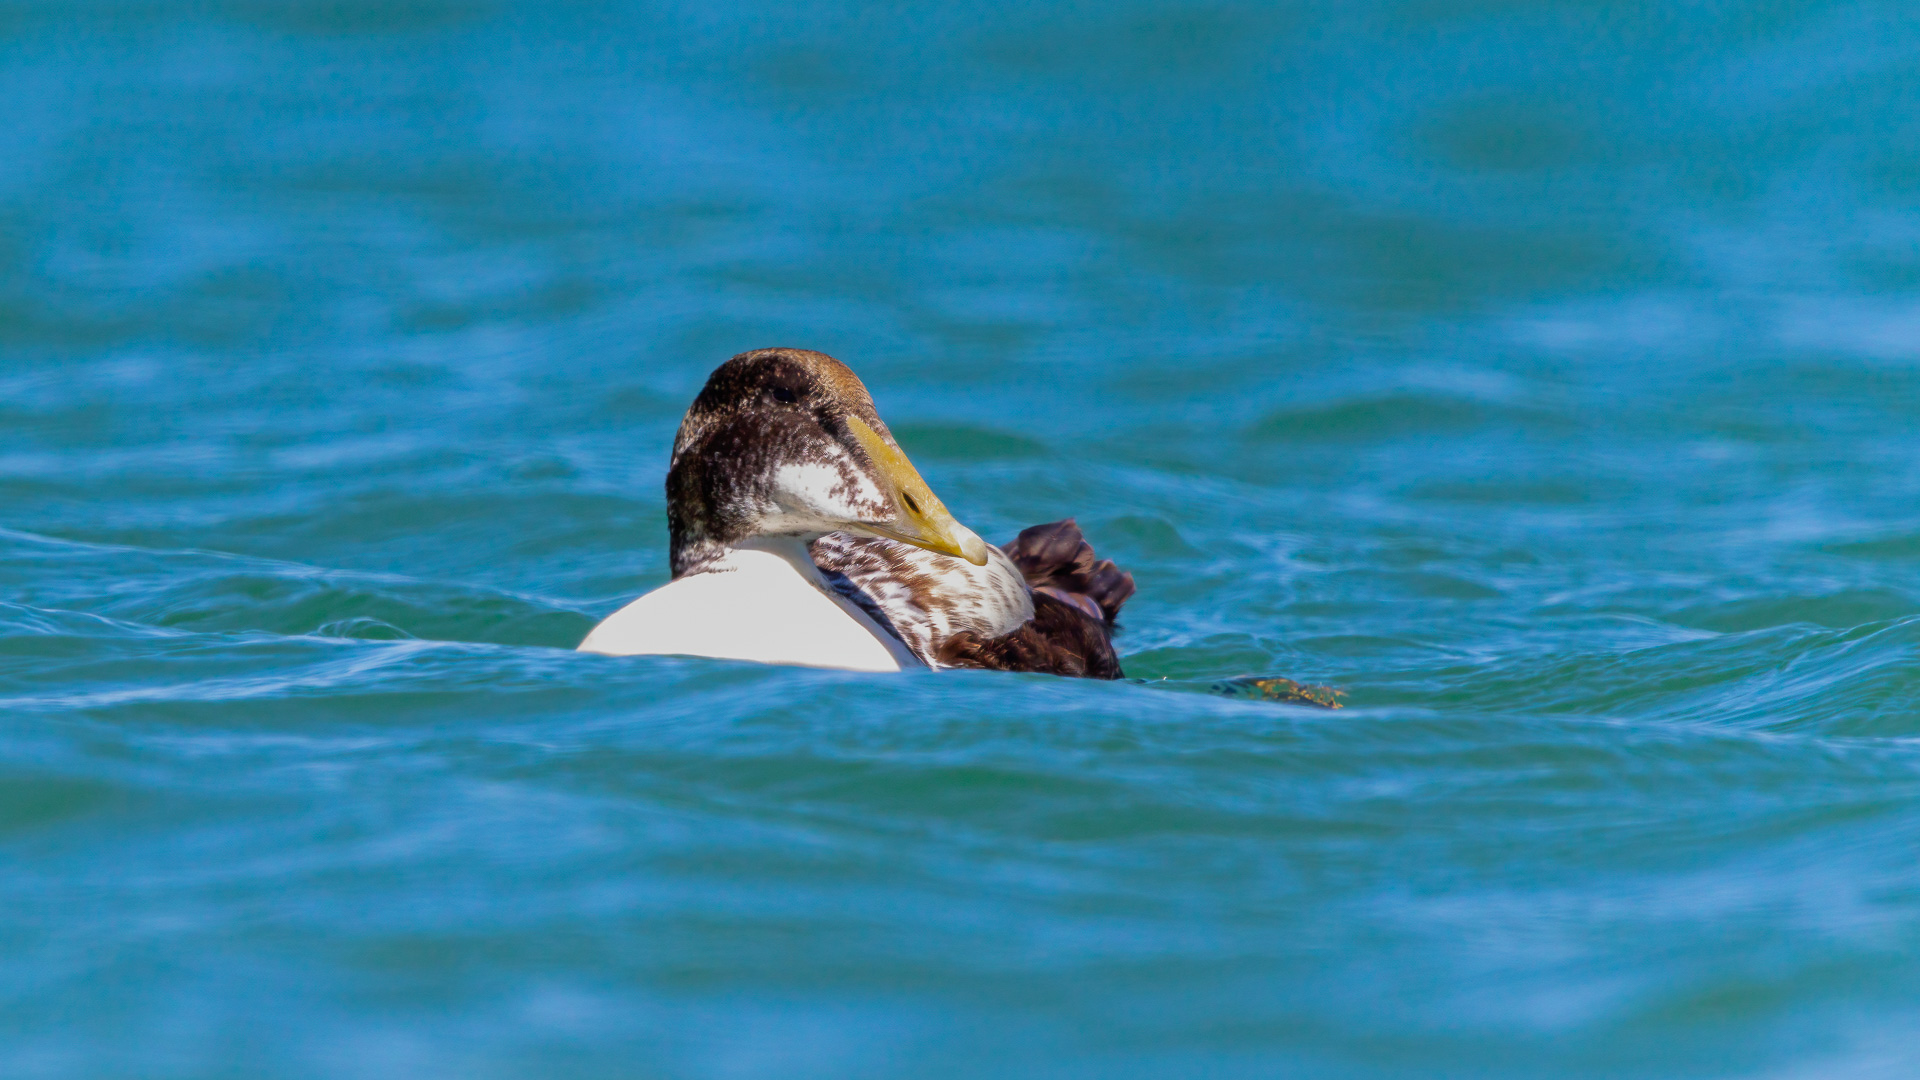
(1546, 375)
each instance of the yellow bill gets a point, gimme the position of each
(920, 519)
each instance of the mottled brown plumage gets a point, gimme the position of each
(759, 411)
(1075, 601)
(787, 442)
(1060, 639)
(1074, 596)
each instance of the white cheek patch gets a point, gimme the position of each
(822, 490)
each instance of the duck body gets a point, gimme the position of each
(764, 601)
(801, 534)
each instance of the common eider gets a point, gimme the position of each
(801, 534)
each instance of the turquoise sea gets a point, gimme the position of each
(1545, 375)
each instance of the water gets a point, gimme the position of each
(1545, 375)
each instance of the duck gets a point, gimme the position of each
(800, 533)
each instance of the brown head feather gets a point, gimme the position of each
(758, 411)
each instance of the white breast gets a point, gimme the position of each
(766, 602)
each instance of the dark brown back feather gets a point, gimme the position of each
(1075, 600)
(1060, 639)
(1057, 561)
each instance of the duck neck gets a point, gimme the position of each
(708, 555)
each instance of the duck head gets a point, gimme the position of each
(786, 442)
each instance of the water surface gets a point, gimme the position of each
(1546, 376)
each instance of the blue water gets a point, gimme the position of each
(1544, 375)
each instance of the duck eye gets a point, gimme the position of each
(783, 394)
